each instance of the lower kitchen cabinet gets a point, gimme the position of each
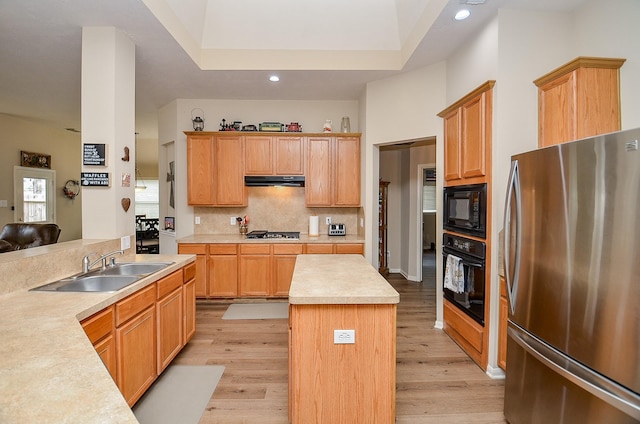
(136, 343)
(222, 270)
(170, 318)
(189, 305)
(284, 261)
(466, 332)
(255, 269)
(100, 329)
(200, 250)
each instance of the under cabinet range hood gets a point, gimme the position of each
(274, 180)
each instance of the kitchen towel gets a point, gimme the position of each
(454, 274)
(313, 225)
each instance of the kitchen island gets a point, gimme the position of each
(49, 369)
(342, 342)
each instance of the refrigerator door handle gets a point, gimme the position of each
(615, 395)
(513, 195)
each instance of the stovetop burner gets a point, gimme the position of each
(263, 234)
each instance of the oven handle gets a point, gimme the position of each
(465, 259)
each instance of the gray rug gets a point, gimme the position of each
(270, 310)
(179, 395)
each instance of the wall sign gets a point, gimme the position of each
(95, 179)
(94, 154)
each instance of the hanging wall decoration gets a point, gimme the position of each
(35, 160)
(71, 189)
(171, 177)
(125, 202)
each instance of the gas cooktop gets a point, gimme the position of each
(264, 234)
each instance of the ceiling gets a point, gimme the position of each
(225, 49)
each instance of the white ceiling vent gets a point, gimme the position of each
(473, 2)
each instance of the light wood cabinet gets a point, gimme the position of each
(289, 155)
(502, 325)
(466, 332)
(189, 305)
(255, 270)
(215, 170)
(258, 158)
(333, 171)
(200, 164)
(579, 99)
(222, 270)
(274, 155)
(170, 318)
(100, 329)
(201, 269)
(334, 248)
(136, 343)
(284, 262)
(467, 137)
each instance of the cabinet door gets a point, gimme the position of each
(200, 250)
(598, 101)
(319, 248)
(100, 330)
(350, 248)
(284, 261)
(474, 136)
(223, 275)
(255, 269)
(258, 159)
(347, 171)
(189, 310)
(229, 171)
(170, 325)
(318, 178)
(289, 155)
(136, 351)
(200, 187)
(452, 139)
(106, 349)
(556, 111)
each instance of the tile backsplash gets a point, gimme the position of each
(274, 209)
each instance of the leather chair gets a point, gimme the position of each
(17, 236)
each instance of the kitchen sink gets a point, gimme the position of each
(113, 278)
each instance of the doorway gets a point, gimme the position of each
(34, 195)
(428, 224)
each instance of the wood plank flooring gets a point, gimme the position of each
(436, 381)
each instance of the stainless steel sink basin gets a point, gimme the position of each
(110, 279)
(99, 283)
(134, 268)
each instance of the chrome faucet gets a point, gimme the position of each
(86, 264)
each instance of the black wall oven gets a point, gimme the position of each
(465, 209)
(464, 274)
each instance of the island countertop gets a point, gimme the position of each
(49, 370)
(338, 279)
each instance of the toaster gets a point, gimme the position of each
(337, 230)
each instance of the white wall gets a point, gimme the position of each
(390, 171)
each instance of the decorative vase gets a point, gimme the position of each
(243, 229)
(327, 126)
(345, 125)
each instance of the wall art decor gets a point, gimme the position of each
(35, 160)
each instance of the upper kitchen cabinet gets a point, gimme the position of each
(274, 155)
(215, 169)
(579, 99)
(333, 171)
(467, 136)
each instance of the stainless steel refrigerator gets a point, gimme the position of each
(572, 265)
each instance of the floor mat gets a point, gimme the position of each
(179, 395)
(270, 310)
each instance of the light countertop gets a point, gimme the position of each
(49, 370)
(339, 279)
(239, 238)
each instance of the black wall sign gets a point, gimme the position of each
(94, 179)
(94, 154)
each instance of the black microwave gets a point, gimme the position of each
(465, 209)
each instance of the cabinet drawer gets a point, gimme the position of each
(137, 302)
(350, 248)
(287, 249)
(222, 249)
(255, 249)
(194, 249)
(169, 283)
(189, 272)
(319, 248)
(99, 325)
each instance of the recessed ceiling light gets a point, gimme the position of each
(462, 14)
(274, 78)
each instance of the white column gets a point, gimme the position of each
(108, 117)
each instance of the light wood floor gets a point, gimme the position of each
(436, 381)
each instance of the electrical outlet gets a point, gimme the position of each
(344, 336)
(232, 220)
(197, 220)
(328, 220)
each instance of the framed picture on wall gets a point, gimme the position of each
(35, 160)
(169, 223)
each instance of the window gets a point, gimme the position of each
(429, 191)
(148, 200)
(34, 195)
